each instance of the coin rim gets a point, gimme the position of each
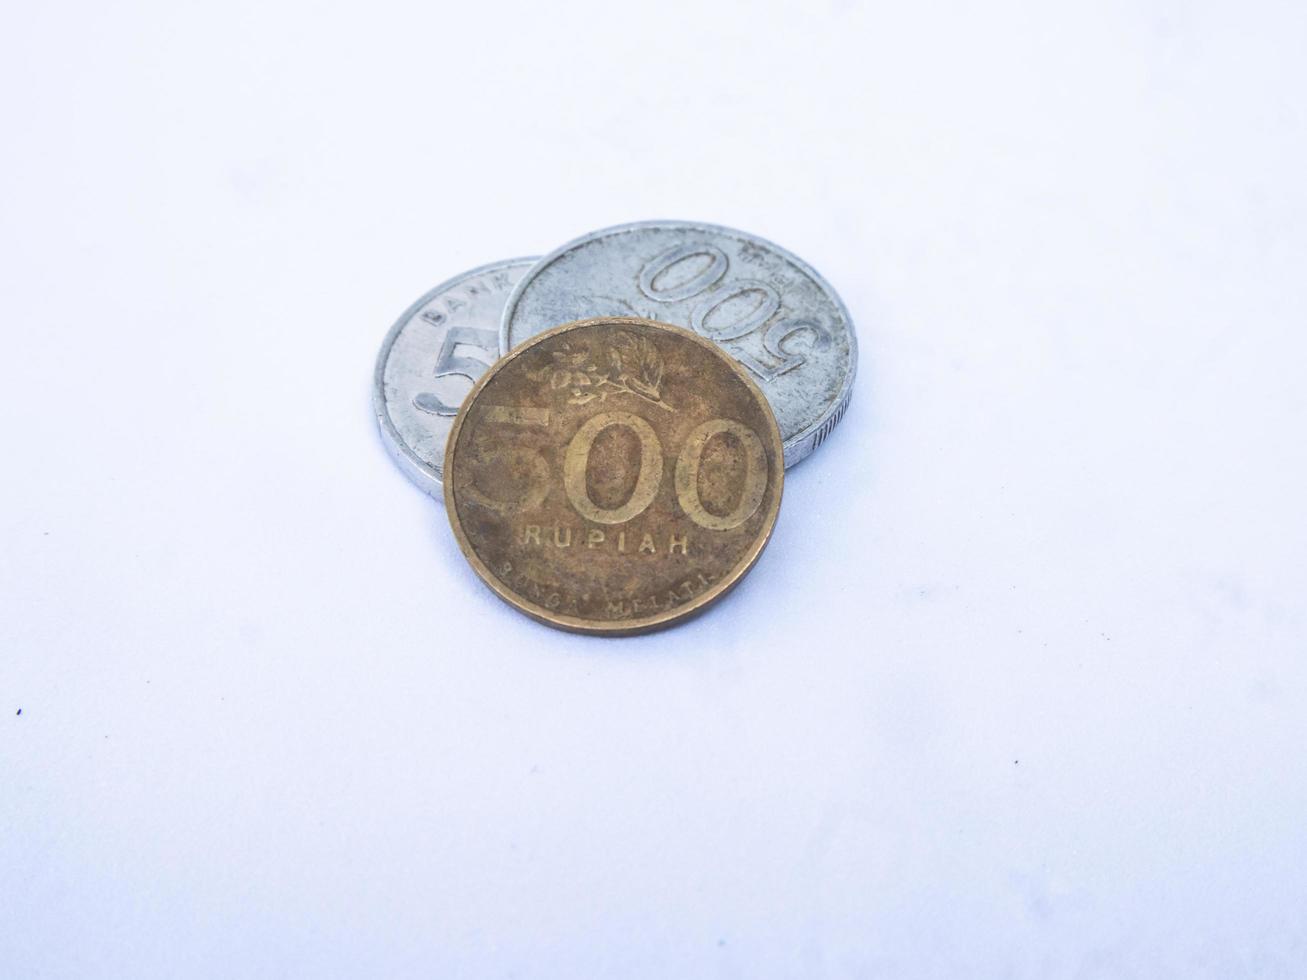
(419, 472)
(576, 624)
(803, 443)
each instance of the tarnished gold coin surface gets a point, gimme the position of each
(614, 475)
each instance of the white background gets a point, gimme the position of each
(1019, 688)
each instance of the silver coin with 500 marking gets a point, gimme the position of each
(768, 309)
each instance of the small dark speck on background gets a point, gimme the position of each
(20, 711)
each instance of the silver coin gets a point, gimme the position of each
(768, 309)
(429, 360)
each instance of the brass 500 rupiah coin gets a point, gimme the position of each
(614, 475)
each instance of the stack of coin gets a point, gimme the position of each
(636, 396)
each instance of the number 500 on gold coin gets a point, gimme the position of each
(614, 475)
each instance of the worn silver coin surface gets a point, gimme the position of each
(767, 308)
(428, 362)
